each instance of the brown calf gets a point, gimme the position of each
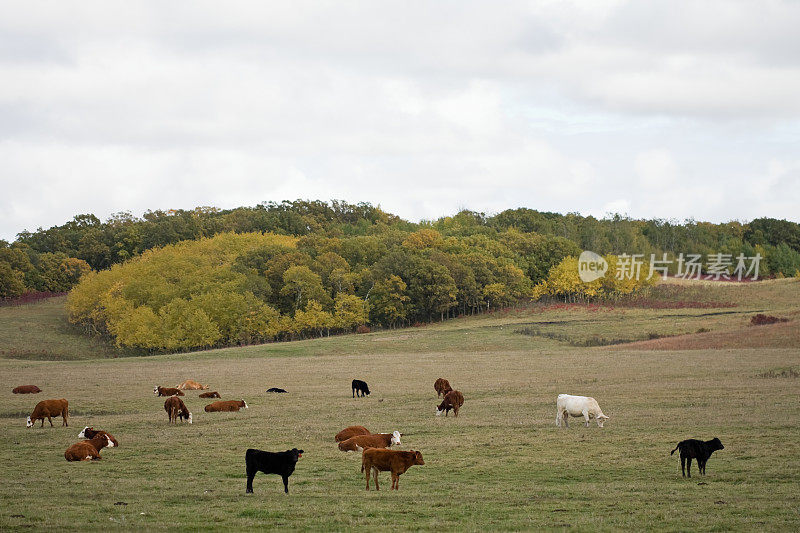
(90, 433)
(26, 389)
(226, 406)
(376, 440)
(214, 394)
(86, 450)
(397, 462)
(190, 384)
(47, 409)
(167, 391)
(452, 400)
(176, 409)
(442, 386)
(350, 431)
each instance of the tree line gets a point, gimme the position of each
(54, 259)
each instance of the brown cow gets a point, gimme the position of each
(167, 391)
(442, 386)
(86, 450)
(214, 394)
(90, 433)
(452, 400)
(226, 406)
(190, 384)
(376, 440)
(47, 409)
(176, 409)
(26, 389)
(350, 431)
(397, 462)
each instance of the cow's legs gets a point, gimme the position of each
(375, 474)
(558, 418)
(251, 473)
(395, 480)
(565, 418)
(49, 420)
(688, 467)
(285, 484)
(701, 465)
(367, 472)
(455, 411)
(586, 418)
(683, 466)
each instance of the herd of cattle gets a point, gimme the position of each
(375, 455)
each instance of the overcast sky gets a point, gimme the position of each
(654, 109)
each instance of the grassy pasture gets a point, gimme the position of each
(501, 465)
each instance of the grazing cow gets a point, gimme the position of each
(452, 400)
(26, 389)
(275, 389)
(214, 394)
(192, 385)
(47, 409)
(360, 388)
(167, 391)
(90, 433)
(442, 386)
(397, 462)
(567, 405)
(697, 449)
(376, 440)
(176, 409)
(350, 431)
(226, 405)
(86, 450)
(281, 463)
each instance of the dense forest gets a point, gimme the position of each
(211, 277)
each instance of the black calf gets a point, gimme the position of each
(281, 463)
(275, 389)
(360, 386)
(696, 449)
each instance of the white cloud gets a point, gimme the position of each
(584, 105)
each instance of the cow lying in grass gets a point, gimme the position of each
(88, 449)
(214, 394)
(26, 389)
(190, 384)
(280, 463)
(226, 406)
(568, 405)
(350, 431)
(396, 462)
(696, 449)
(48, 409)
(167, 391)
(376, 440)
(90, 433)
(176, 409)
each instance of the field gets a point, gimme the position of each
(502, 464)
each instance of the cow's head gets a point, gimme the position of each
(82, 434)
(601, 418)
(295, 453)
(109, 442)
(439, 410)
(245, 404)
(155, 390)
(418, 458)
(396, 438)
(29, 423)
(716, 444)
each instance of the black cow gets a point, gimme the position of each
(696, 449)
(360, 387)
(275, 389)
(281, 463)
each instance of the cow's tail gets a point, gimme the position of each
(676, 448)
(363, 462)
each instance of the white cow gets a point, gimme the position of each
(568, 405)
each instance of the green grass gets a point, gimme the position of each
(502, 464)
